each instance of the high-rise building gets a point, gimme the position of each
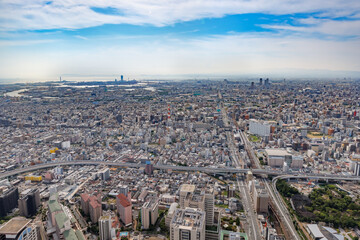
(104, 174)
(185, 190)
(125, 190)
(198, 198)
(267, 83)
(356, 166)
(95, 209)
(8, 200)
(29, 202)
(209, 206)
(122, 78)
(124, 208)
(149, 168)
(91, 206)
(170, 213)
(188, 224)
(231, 191)
(105, 227)
(149, 213)
(260, 81)
(261, 200)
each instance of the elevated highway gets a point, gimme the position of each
(210, 170)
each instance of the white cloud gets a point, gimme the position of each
(342, 28)
(71, 14)
(233, 54)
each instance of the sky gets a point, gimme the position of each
(149, 39)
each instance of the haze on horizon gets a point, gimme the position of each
(282, 38)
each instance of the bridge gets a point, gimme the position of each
(209, 170)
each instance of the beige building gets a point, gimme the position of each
(261, 199)
(188, 224)
(198, 198)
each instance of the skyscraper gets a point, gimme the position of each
(149, 212)
(105, 227)
(29, 202)
(8, 200)
(124, 208)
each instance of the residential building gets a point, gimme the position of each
(149, 213)
(124, 208)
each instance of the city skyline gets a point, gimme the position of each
(43, 40)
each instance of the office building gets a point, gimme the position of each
(124, 208)
(261, 200)
(8, 200)
(198, 198)
(104, 174)
(29, 202)
(149, 213)
(188, 224)
(105, 228)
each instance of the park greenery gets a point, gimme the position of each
(326, 204)
(254, 138)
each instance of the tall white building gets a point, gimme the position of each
(356, 166)
(105, 227)
(104, 174)
(188, 224)
(149, 213)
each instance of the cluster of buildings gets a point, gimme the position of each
(293, 127)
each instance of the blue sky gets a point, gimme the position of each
(41, 40)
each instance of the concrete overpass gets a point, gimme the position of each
(178, 168)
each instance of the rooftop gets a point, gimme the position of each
(187, 188)
(276, 152)
(14, 226)
(123, 200)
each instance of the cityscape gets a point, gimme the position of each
(180, 160)
(179, 120)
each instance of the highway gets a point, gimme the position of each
(253, 230)
(179, 168)
(273, 193)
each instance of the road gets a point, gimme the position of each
(253, 230)
(179, 168)
(274, 195)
